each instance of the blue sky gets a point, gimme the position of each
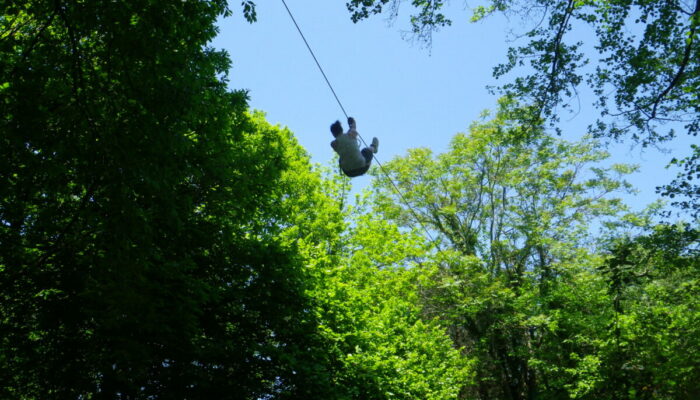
(406, 95)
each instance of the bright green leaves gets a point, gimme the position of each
(367, 308)
(515, 285)
(503, 184)
(481, 12)
(371, 312)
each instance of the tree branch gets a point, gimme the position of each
(684, 63)
(557, 47)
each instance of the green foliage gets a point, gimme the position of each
(683, 190)
(515, 285)
(427, 20)
(157, 240)
(643, 65)
(140, 212)
(536, 308)
(653, 280)
(506, 192)
(249, 11)
(371, 313)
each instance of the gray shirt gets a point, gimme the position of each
(348, 149)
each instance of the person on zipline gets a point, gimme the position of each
(352, 161)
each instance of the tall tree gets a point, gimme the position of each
(511, 207)
(139, 206)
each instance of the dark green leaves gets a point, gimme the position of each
(139, 213)
(428, 19)
(249, 11)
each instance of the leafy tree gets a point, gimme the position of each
(505, 192)
(643, 66)
(377, 345)
(653, 282)
(158, 241)
(371, 313)
(511, 208)
(140, 208)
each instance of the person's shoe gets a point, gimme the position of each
(375, 145)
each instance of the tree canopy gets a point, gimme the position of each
(159, 239)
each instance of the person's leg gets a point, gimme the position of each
(368, 154)
(357, 172)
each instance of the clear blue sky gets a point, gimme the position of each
(405, 95)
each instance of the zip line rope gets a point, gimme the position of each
(315, 59)
(328, 82)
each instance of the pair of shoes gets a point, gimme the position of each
(375, 145)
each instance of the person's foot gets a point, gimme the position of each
(375, 145)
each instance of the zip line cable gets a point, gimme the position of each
(315, 59)
(396, 188)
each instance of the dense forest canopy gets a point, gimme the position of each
(159, 239)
